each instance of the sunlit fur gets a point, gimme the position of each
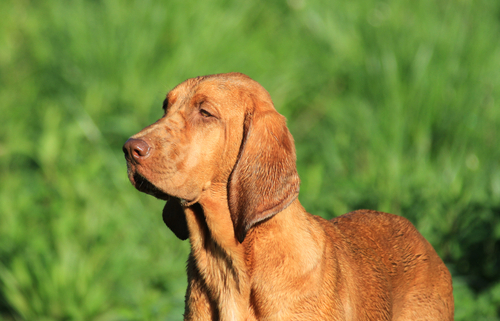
(225, 159)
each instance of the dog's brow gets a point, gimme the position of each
(223, 86)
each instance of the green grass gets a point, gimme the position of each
(394, 106)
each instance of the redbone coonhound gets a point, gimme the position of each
(224, 160)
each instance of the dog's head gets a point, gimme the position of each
(218, 130)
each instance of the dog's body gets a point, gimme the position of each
(225, 161)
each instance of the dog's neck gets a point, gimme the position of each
(217, 258)
(221, 261)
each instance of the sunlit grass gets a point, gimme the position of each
(393, 106)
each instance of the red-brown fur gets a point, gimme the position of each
(224, 160)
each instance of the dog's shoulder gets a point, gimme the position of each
(381, 232)
(370, 220)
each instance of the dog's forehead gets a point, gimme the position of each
(182, 90)
(228, 91)
(209, 86)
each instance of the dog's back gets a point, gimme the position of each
(391, 266)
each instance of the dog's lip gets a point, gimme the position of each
(142, 184)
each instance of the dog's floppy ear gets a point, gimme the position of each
(175, 219)
(264, 180)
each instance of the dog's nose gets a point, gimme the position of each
(136, 149)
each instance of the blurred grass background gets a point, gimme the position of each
(394, 106)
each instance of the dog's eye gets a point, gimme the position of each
(205, 113)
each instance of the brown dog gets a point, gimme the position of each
(224, 160)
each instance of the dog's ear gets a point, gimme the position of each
(175, 219)
(264, 180)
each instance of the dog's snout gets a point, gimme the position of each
(136, 149)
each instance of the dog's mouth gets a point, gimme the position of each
(145, 186)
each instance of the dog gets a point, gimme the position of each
(223, 159)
